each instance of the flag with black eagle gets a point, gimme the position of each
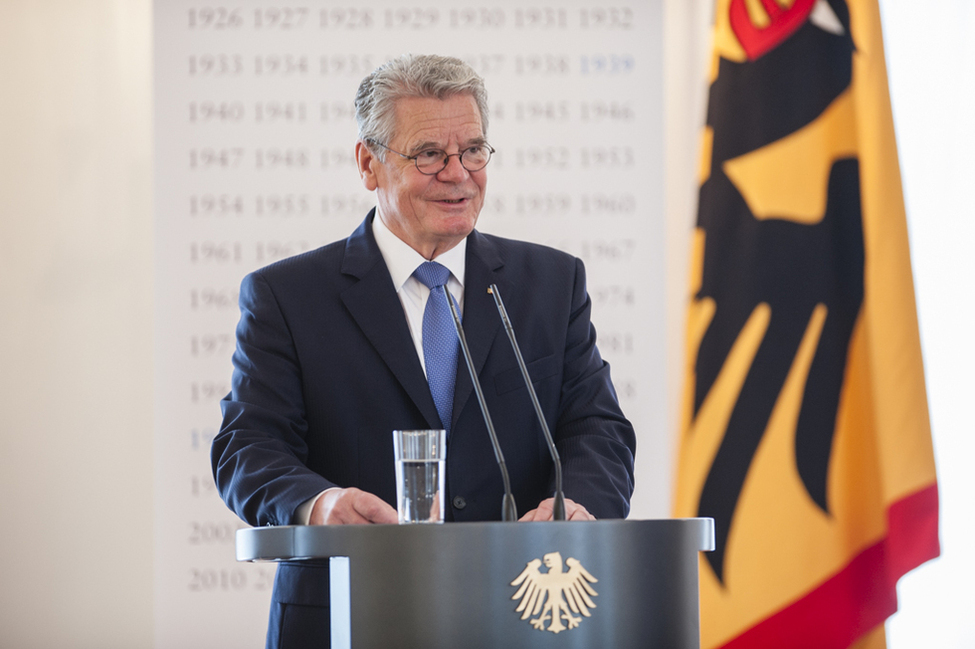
(805, 432)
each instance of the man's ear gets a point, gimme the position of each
(368, 163)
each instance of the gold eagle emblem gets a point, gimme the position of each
(555, 593)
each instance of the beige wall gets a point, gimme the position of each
(75, 324)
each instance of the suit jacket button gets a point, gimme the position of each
(459, 502)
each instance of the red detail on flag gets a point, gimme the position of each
(912, 537)
(784, 22)
(861, 595)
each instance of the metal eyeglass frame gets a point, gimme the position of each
(446, 158)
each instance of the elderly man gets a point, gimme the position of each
(333, 352)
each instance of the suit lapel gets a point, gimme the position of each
(376, 308)
(481, 319)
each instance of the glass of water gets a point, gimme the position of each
(421, 457)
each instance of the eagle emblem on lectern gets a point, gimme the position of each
(555, 593)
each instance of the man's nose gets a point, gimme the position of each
(454, 171)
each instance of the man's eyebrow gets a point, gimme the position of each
(425, 146)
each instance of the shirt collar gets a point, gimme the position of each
(402, 260)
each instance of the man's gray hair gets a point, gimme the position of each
(412, 75)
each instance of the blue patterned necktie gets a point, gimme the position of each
(440, 344)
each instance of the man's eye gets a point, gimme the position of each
(429, 156)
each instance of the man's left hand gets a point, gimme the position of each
(573, 512)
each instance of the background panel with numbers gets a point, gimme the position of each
(254, 139)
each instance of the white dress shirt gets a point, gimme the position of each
(402, 260)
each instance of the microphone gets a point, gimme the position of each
(509, 511)
(558, 507)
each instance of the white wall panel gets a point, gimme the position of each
(254, 138)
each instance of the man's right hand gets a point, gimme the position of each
(351, 507)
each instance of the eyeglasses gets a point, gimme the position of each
(430, 162)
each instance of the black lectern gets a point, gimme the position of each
(618, 584)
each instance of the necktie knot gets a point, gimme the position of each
(431, 274)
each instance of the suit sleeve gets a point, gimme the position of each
(258, 457)
(596, 442)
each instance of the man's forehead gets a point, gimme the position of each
(426, 121)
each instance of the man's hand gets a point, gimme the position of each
(351, 507)
(573, 512)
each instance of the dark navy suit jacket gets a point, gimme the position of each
(325, 369)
